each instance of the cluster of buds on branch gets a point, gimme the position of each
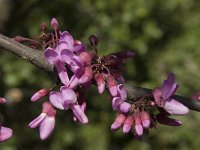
(77, 68)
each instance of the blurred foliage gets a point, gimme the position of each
(163, 34)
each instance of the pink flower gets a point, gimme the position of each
(66, 99)
(45, 121)
(63, 99)
(118, 102)
(5, 133)
(163, 97)
(63, 54)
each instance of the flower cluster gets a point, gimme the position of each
(5, 133)
(77, 68)
(144, 114)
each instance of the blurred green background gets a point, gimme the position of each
(163, 34)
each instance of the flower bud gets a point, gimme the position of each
(100, 82)
(128, 124)
(39, 94)
(93, 40)
(118, 122)
(43, 26)
(54, 23)
(145, 119)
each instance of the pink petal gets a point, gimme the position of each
(79, 113)
(101, 88)
(100, 82)
(37, 121)
(79, 48)
(51, 56)
(74, 81)
(66, 37)
(138, 124)
(139, 129)
(118, 122)
(54, 23)
(46, 127)
(5, 133)
(145, 119)
(56, 99)
(116, 101)
(68, 96)
(61, 45)
(122, 91)
(39, 94)
(169, 86)
(72, 60)
(124, 107)
(174, 107)
(49, 109)
(128, 124)
(113, 90)
(62, 72)
(85, 57)
(87, 75)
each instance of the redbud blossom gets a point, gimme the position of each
(45, 121)
(163, 96)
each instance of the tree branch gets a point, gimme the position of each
(37, 58)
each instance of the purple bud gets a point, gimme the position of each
(87, 75)
(118, 122)
(128, 124)
(138, 124)
(54, 23)
(100, 82)
(124, 107)
(93, 40)
(145, 119)
(2, 100)
(39, 94)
